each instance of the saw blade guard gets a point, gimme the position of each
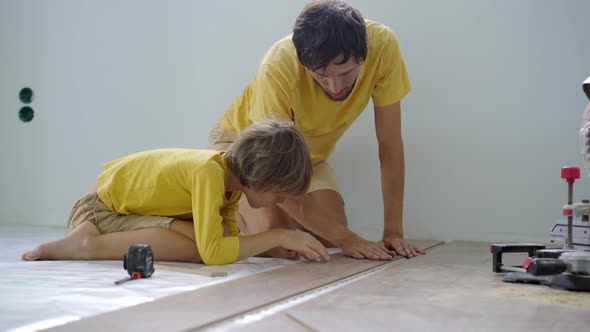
(585, 130)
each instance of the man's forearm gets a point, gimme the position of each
(311, 215)
(392, 186)
(317, 220)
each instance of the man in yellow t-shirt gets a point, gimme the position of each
(321, 77)
(182, 202)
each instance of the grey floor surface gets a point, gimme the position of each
(37, 295)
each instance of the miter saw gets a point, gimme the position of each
(567, 267)
(575, 234)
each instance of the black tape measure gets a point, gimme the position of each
(138, 261)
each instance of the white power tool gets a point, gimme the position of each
(575, 233)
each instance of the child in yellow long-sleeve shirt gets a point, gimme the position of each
(183, 202)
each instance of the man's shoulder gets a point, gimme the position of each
(281, 65)
(379, 34)
(375, 26)
(282, 55)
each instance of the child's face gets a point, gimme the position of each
(264, 198)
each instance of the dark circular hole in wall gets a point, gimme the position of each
(26, 114)
(26, 95)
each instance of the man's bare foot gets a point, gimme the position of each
(72, 246)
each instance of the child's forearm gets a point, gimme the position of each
(252, 245)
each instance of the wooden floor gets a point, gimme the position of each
(452, 288)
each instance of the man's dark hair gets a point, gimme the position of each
(326, 29)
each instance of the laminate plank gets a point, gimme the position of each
(205, 306)
(452, 288)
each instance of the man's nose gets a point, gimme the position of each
(335, 86)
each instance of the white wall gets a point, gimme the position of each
(493, 115)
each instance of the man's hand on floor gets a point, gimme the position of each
(357, 247)
(402, 247)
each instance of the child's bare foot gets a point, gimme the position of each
(72, 246)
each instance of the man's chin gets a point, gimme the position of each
(338, 97)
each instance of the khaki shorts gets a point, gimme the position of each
(91, 208)
(323, 175)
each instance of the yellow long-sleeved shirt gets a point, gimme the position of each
(284, 88)
(177, 183)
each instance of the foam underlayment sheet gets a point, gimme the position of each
(38, 295)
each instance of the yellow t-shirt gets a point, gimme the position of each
(284, 88)
(177, 183)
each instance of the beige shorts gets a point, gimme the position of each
(91, 208)
(323, 175)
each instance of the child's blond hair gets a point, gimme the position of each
(271, 155)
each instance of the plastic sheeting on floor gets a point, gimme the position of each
(41, 294)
